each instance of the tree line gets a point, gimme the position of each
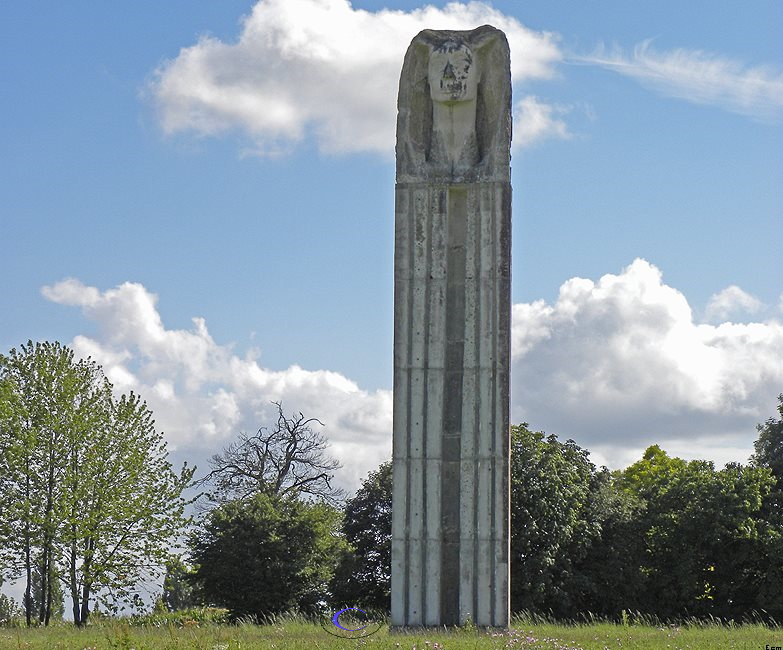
(90, 505)
(663, 537)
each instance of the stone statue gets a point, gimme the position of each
(454, 119)
(452, 273)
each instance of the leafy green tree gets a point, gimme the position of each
(10, 612)
(178, 590)
(651, 481)
(125, 504)
(769, 446)
(53, 591)
(769, 454)
(702, 530)
(738, 539)
(652, 476)
(46, 396)
(608, 577)
(266, 554)
(11, 548)
(90, 496)
(363, 575)
(550, 527)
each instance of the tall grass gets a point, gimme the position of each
(528, 632)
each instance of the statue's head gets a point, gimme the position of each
(452, 73)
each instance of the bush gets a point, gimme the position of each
(192, 617)
(11, 614)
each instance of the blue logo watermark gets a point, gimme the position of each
(351, 623)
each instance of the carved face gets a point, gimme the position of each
(452, 73)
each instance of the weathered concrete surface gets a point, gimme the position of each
(450, 537)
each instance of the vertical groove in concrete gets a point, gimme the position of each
(456, 224)
(494, 451)
(487, 343)
(435, 377)
(474, 461)
(402, 407)
(419, 372)
(486, 370)
(409, 494)
(502, 314)
(424, 410)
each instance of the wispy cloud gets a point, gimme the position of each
(319, 67)
(699, 77)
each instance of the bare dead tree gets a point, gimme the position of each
(288, 459)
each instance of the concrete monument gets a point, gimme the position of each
(452, 268)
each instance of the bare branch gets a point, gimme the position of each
(290, 459)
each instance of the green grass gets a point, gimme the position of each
(291, 634)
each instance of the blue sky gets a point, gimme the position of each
(232, 162)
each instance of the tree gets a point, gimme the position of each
(608, 578)
(651, 481)
(178, 590)
(266, 554)
(363, 575)
(701, 530)
(91, 496)
(550, 529)
(12, 526)
(50, 590)
(125, 506)
(46, 398)
(769, 454)
(10, 612)
(738, 536)
(769, 445)
(652, 476)
(290, 459)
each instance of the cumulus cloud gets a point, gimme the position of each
(700, 77)
(203, 394)
(535, 120)
(320, 67)
(732, 300)
(619, 364)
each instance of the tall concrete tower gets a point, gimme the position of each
(452, 304)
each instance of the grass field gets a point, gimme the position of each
(297, 635)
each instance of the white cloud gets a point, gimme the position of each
(616, 364)
(619, 364)
(202, 394)
(71, 292)
(732, 300)
(700, 77)
(319, 66)
(535, 121)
